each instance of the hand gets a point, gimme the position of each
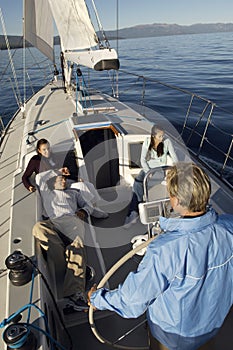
(64, 171)
(93, 289)
(81, 214)
(32, 189)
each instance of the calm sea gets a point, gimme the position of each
(201, 63)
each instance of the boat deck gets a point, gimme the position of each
(107, 239)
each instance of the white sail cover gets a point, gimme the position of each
(73, 24)
(38, 25)
(103, 59)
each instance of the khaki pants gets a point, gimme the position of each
(72, 251)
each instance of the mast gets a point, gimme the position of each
(79, 41)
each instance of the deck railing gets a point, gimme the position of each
(2, 128)
(205, 127)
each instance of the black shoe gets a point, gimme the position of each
(90, 273)
(77, 301)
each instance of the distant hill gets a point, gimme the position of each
(14, 41)
(141, 31)
(160, 29)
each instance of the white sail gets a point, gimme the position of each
(38, 26)
(73, 24)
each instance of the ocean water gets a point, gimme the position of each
(200, 63)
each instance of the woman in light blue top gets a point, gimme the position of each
(155, 151)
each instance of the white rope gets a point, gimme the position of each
(18, 99)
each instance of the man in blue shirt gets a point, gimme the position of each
(184, 282)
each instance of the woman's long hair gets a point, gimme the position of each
(160, 147)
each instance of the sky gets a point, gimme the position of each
(135, 12)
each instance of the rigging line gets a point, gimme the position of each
(187, 114)
(133, 84)
(206, 128)
(117, 26)
(200, 119)
(100, 24)
(10, 58)
(221, 130)
(227, 156)
(172, 87)
(24, 64)
(5, 70)
(38, 63)
(30, 82)
(14, 92)
(112, 79)
(165, 84)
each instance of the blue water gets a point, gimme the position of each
(201, 63)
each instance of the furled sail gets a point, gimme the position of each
(73, 24)
(79, 41)
(38, 26)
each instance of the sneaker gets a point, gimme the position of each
(77, 301)
(90, 273)
(131, 219)
(99, 214)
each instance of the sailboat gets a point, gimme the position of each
(101, 138)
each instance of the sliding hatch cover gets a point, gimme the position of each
(99, 147)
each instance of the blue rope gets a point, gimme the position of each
(76, 93)
(31, 294)
(47, 335)
(29, 306)
(84, 89)
(47, 332)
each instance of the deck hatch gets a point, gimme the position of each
(40, 100)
